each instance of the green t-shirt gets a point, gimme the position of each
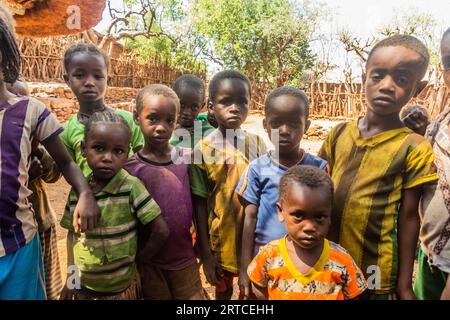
(73, 134)
(106, 254)
(202, 128)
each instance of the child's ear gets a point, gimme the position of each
(307, 124)
(265, 125)
(363, 77)
(136, 116)
(66, 79)
(420, 86)
(210, 106)
(83, 149)
(280, 212)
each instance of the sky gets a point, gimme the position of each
(362, 18)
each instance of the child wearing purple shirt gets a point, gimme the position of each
(173, 273)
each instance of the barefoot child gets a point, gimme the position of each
(87, 69)
(173, 273)
(379, 168)
(303, 265)
(220, 160)
(106, 255)
(286, 121)
(21, 120)
(191, 128)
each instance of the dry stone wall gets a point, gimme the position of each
(62, 102)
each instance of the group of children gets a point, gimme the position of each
(157, 192)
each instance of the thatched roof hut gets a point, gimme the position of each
(42, 18)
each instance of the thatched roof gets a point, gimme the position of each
(42, 18)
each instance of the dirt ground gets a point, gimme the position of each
(59, 191)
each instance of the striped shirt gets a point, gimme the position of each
(335, 275)
(369, 175)
(73, 135)
(20, 121)
(105, 255)
(216, 178)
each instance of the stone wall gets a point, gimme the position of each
(60, 99)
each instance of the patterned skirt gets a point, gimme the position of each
(52, 269)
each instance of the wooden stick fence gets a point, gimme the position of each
(42, 60)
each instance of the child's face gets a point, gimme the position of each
(392, 79)
(157, 119)
(230, 106)
(191, 102)
(306, 213)
(286, 114)
(87, 76)
(106, 149)
(445, 57)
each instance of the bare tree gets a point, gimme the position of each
(140, 20)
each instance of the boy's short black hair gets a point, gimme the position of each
(189, 81)
(107, 116)
(226, 74)
(9, 51)
(84, 47)
(305, 175)
(446, 33)
(408, 42)
(156, 90)
(290, 91)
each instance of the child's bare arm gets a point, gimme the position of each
(260, 292)
(159, 232)
(446, 293)
(86, 211)
(210, 264)
(408, 233)
(248, 239)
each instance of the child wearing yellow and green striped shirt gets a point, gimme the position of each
(379, 168)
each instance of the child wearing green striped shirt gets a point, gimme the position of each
(105, 256)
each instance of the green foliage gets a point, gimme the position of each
(266, 39)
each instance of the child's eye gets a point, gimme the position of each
(275, 124)
(403, 80)
(376, 77)
(298, 216)
(152, 119)
(120, 151)
(99, 77)
(98, 148)
(320, 218)
(171, 121)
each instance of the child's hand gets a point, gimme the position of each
(212, 270)
(36, 169)
(417, 122)
(244, 284)
(86, 213)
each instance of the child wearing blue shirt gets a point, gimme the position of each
(286, 121)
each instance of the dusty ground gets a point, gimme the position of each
(58, 191)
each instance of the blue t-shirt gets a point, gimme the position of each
(259, 186)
